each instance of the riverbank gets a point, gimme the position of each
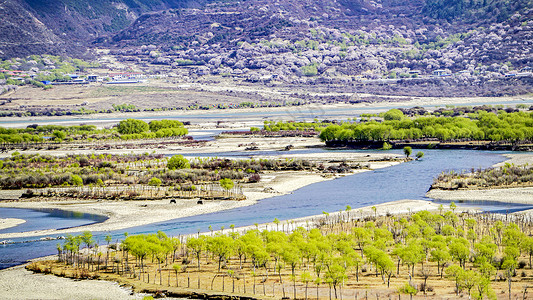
(309, 111)
(522, 195)
(125, 214)
(19, 283)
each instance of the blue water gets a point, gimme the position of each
(405, 181)
(39, 219)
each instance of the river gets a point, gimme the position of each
(405, 181)
(296, 113)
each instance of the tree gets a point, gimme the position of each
(440, 255)
(132, 126)
(226, 183)
(393, 114)
(483, 289)
(385, 264)
(197, 246)
(527, 246)
(221, 246)
(76, 180)
(178, 162)
(305, 277)
(419, 155)
(59, 135)
(176, 268)
(456, 273)
(156, 125)
(411, 255)
(407, 151)
(453, 207)
(154, 181)
(336, 274)
(108, 239)
(408, 289)
(460, 251)
(509, 264)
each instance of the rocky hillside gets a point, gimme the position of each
(65, 26)
(21, 33)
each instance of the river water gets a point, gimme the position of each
(405, 181)
(296, 113)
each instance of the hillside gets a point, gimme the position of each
(283, 39)
(21, 33)
(56, 26)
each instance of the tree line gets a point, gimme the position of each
(510, 127)
(127, 129)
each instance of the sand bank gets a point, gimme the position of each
(388, 208)
(19, 283)
(10, 222)
(123, 214)
(509, 195)
(522, 195)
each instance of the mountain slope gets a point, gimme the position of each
(331, 38)
(22, 34)
(65, 26)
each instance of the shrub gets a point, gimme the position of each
(386, 146)
(178, 162)
(254, 178)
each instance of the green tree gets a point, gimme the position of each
(154, 181)
(178, 162)
(419, 155)
(408, 289)
(177, 268)
(305, 277)
(407, 151)
(59, 135)
(336, 274)
(393, 114)
(460, 251)
(132, 126)
(76, 180)
(197, 246)
(226, 183)
(221, 246)
(456, 273)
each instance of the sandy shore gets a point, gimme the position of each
(10, 222)
(123, 214)
(510, 195)
(387, 208)
(19, 283)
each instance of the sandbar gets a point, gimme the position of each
(10, 222)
